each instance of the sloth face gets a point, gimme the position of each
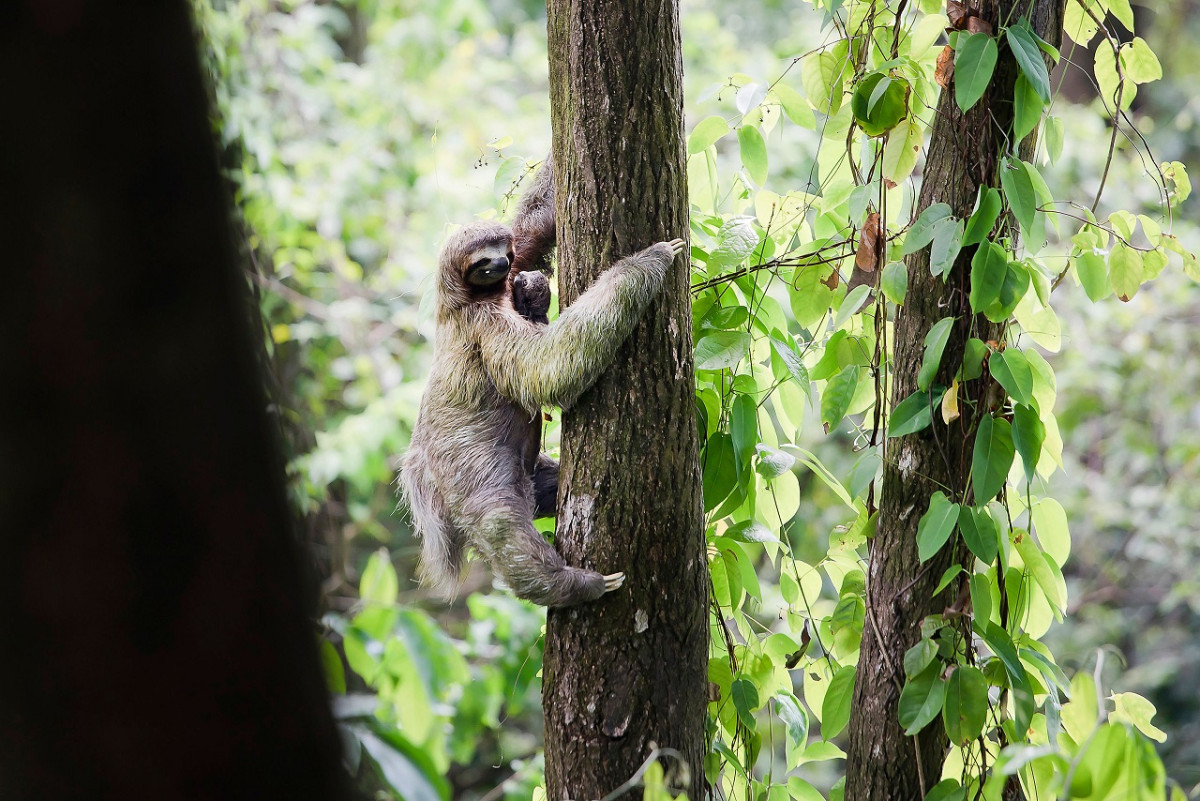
(488, 266)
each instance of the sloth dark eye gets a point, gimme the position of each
(478, 264)
(511, 256)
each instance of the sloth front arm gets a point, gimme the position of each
(553, 365)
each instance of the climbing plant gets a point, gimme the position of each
(797, 291)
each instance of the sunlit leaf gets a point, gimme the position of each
(706, 133)
(721, 350)
(754, 153)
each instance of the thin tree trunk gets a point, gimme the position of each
(627, 673)
(964, 152)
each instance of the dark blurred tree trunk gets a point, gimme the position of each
(628, 672)
(160, 644)
(964, 153)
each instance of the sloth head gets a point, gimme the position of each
(474, 264)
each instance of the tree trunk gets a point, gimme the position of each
(627, 673)
(964, 154)
(155, 598)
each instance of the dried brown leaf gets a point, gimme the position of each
(867, 256)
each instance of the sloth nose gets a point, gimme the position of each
(499, 264)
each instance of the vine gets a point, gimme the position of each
(794, 308)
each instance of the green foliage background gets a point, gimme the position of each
(355, 134)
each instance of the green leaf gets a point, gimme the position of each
(743, 429)
(404, 767)
(947, 790)
(1092, 271)
(1025, 49)
(984, 218)
(965, 709)
(1002, 646)
(1139, 62)
(744, 695)
(1050, 524)
(1134, 709)
(749, 531)
(331, 667)
(1029, 432)
(989, 265)
(835, 709)
(719, 470)
(1016, 284)
(948, 575)
(921, 700)
(1027, 108)
(974, 62)
(1125, 270)
(935, 344)
(894, 282)
(947, 242)
(379, 584)
(754, 153)
(902, 150)
(706, 133)
(979, 532)
(936, 525)
(788, 708)
(919, 657)
(1043, 574)
(773, 463)
(1079, 24)
(921, 232)
(992, 457)
(1054, 138)
(822, 76)
(1012, 370)
(972, 363)
(791, 361)
(721, 350)
(1018, 188)
(879, 102)
(794, 106)
(839, 392)
(911, 415)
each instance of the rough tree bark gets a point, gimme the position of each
(964, 151)
(629, 672)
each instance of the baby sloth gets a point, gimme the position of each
(473, 475)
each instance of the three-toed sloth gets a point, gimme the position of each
(473, 475)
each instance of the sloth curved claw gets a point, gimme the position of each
(613, 581)
(677, 246)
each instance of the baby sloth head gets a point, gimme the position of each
(474, 264)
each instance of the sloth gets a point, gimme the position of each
(473, 475)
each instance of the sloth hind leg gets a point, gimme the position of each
(531, 567)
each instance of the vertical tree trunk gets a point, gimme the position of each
(627, 673)
(155, 598)
(964, 152)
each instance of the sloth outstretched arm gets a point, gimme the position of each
(553, 365)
